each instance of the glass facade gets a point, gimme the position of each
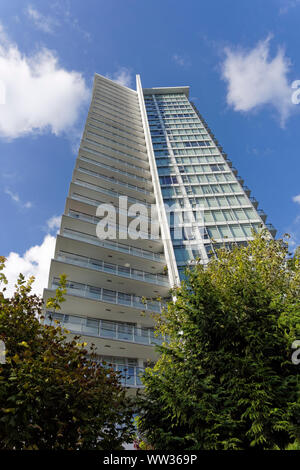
(195, 173)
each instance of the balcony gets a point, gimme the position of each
(95, 220)
(115, 181)
(271, 229)
(247, 190)
(113, 245)
(110, 268)
(109, 192)
(130, 376)
(106, 295)
(132, 158)
(254, 201)
(114, 160)
(117, 137)
(262, 214)
(114, 169)
(96, 203)
(106, 329)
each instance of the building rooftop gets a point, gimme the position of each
(166, 90)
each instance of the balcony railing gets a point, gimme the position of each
(111, 193)
(113, 159)
(114, 180)
(96, 203)
(254, 201)
(95, 220)
(106, 295)
(271, 228)
(113, 245)
(112, 149)
(262, 214)
(104, 329)
(110, 268)
(130, 376)
(114, 169)
(125, 140)
(128, 367)
(246, 189)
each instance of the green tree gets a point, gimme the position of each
(51, 395)
(225, 379)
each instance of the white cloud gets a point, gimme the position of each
(288, 5)
(254, 79)
(297, 198)
(54, 223)
(16, 198)
(62, 17)
(180, 60)
(123, 76)
(34, 262)
(47, 24)
(40, 95)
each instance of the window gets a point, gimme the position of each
(213, 232)
(109, 295)
(91, 326)
(125, 331)
(73, 323)
(218, 215)
(124, 299)
(225, 231)
(108, 329)
(237, 231)
(208, 216)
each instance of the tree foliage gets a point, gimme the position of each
(51, 395)
(225, 379)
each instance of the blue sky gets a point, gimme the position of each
(239, 58)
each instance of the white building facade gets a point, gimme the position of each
(142, 152)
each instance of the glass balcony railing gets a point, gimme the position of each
(108, 137)
(110, 192)
(114, 169)
(112, 159)
(106, 295)
(95, 220)
(113, 245)
(130, 376)
(104, 329)
(110, 268)
(114, 180)
(96, 203)
(130, 372)
(118, 152)
(262, 213)
(271, 228)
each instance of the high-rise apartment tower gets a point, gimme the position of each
(141, 152)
